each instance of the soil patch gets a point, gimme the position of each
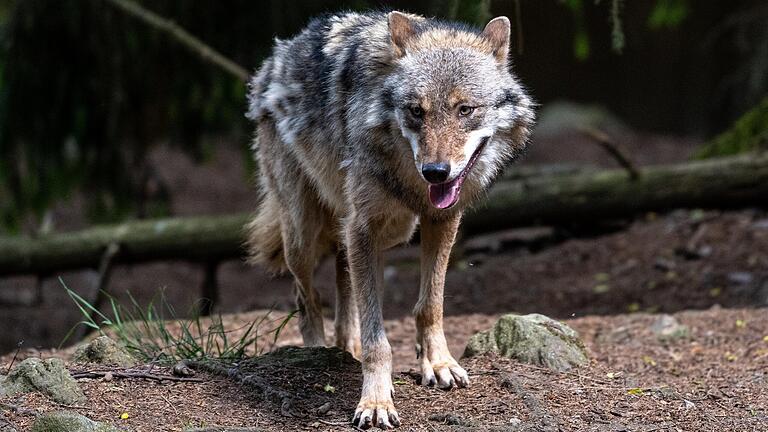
(713, 379)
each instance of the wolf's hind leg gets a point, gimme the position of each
(347, 321)
(437, 364)
(302, 250)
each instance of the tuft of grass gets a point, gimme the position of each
(155, 333)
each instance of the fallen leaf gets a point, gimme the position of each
(124, 416)
(636, 392)
(649, 360)
(602, 277)
(329, 388)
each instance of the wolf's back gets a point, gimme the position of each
(302, 90)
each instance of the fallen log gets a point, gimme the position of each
(723, 183)
(577, 198)
(204, 239)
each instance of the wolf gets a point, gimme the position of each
(367, 126)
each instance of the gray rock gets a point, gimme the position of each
(534, 339)
(104, 350)
(562, 116)
(667, 328)
(64, 421)
(740, 278)
(49, 377)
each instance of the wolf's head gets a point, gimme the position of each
(455, 101)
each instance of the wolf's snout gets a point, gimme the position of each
(436, 172)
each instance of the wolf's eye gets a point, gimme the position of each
(466, 110)
(416, 111)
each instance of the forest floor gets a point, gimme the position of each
(714, 379)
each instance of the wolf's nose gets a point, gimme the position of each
(436, 172)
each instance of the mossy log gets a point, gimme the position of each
(578, 198)
(581, 198)
(204, 239)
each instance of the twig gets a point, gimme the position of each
(334, 423)
(612, 148)
(573, 374)
(7, 425)
(170, 28)
(15, 356)
(104, 273)
(173, 407)
(549, 421)
(19, 410)
(135, 375)
(210, 289)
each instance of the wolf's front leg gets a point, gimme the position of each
(437, 364)
(376, 407)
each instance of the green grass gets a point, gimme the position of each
(147, 331)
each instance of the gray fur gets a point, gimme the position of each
(340, 152)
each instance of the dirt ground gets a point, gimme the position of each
(713, 380)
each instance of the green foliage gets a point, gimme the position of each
(147, 334)
(86, 91)
(580, 37)
(749, 133)
(477, 12)
(668, 14)
(617, 30)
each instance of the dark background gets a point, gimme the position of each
(87, 91)
(103, 118)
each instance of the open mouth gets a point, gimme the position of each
(445, 195)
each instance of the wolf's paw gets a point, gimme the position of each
(444, 372)
(350, 345)
(381, 414)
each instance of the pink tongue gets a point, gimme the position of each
(446, 194)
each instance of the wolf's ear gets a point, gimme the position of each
(497, 33)
(401, 28)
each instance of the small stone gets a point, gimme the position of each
(182, 369)
(48, 377)
(108, 376)
(65, 421)
(450, 419)
(106, 351)
(324, 408)
(761, 224)
(534, 339)
(664, 264)
(667, 328)
(514, 421)
(740, 278)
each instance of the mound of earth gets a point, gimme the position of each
(711, 377)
